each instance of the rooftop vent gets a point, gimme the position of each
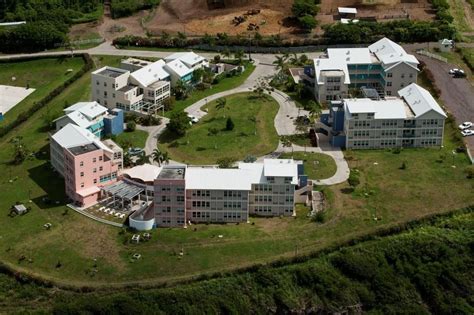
(348, 52)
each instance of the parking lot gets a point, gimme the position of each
(457, 94)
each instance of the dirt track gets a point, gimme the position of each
(195, 18)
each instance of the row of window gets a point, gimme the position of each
(232, 193)
(429, 142)
(390, 75)
(202, 193)
(94, 160)
(201, 204)
(168, 189)
(268, 209)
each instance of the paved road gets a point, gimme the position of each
(456, 94)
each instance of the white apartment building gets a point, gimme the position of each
(208, 194)
(384, 66)
(88, 115)
(413, 120)
(140, 85)
(143, 90)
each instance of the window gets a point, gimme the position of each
(82, 185)
(113, 95)
(95, 170)
(81, 163)
(389, 93)
(101, 169)
(100, 158)
(411, 75)
(389, 75)
(82, 174)
(97, 82)
(94, 160)
(95, 180)
(403, 75)
(105, 83)
(180, 198)
(389, 83)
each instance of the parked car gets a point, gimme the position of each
(465, 125)
(135, 151)
(193, 119)
(457, 73)
(467, 132)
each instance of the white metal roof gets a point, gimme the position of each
(327, 64)
(72, 136)
(350, 55)
(347, 10)
(189, 58)
(88, 109)
(383, 109)
(389, 52)
(220, 179)
(150, 74)
(77, 118)
(145, 172)
(178, 67)
(420, 100)
(281, 168)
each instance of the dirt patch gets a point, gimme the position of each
(194, 17)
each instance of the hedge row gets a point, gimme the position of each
(22, 117)
(335, 34)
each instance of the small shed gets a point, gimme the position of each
(348, 13)
(19, 209)
(446, 45)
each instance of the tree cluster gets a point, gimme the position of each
(123, 8)
(47, 24)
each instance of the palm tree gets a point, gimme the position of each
(294, 60)
(226, 53)
(221, 103)
(279, 63)
(239, 55)
(158, 156)
(286, 142)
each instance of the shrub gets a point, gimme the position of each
(319, 217)
(469, 172)
(226, 162)
(353, 180)
(307, 22)
(131, 126)
(229, 126)
(179, 123)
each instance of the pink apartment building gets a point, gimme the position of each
(87, 168)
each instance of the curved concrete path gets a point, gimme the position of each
(284, 123)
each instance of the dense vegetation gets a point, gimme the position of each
(427, 269)
(304, 11)
(122, 8)
(47, 24)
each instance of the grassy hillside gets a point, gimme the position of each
(424, 270)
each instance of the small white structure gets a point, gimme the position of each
(446, 45)
(19, 209)
(345, 12)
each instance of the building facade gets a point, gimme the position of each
(414, 119)
(94, 117)
(212, 195)
(86, 168)
(384, 66)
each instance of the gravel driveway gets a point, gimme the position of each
(456, 94)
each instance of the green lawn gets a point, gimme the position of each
(258, 138)
(224, 85)
(316, 165)
(394, 195)
(44, 75)
(133, 139)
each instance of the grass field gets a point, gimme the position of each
(224, 85)
(43, 75)
(249, 137)
(316, 165)
(134, 139)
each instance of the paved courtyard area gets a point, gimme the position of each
(10, 96)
